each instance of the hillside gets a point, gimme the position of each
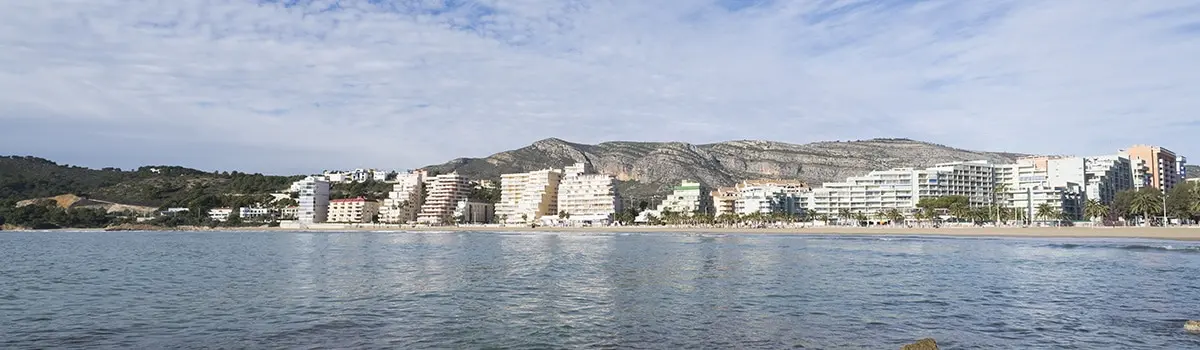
(1193, 171)
(23, 178)
(648, 168)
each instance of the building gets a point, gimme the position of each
(1066, 201)
(587, 198)
(256, 214)
(313, 199)
(528, 197)
(687, 199)
(220, 214)
(288, 213)
(443, 192)
(761, 196)
(468, 212)
(903, 188)
(356, 175)
(1106, 176)
(353, 210)
(404, 202)
(1164, 169)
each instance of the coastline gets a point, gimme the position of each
(1188, 233)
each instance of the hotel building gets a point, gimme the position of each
(467, 212)
(313, 199)
(443, 194)
(1164, 169)
(687, 198)
(528, 197)
(353, 210)
(404, 202)
(903, 188)
(761, 196)
(587, 198)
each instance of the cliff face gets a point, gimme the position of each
(647, 168)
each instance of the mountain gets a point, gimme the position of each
(1193, 171)
(650, 168)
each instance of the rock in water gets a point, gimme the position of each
(923, 344)
(1192, 326)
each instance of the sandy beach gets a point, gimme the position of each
(1189, 233)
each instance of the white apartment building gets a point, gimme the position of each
(1106, 176)
(467, 212)
(529, 197)
(687, 198)
(1066, 200)
(903, 188)
(254, 214)
(587, 198)
(220, 214)
(289, 213)
(443, 192)
(356, 175)
(353, 210)
(313, 199)
(762, 196)
(403, 204)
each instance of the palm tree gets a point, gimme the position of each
(1046, 212)
(810, 215)
(824, 218)
(859, 217)
(881, 216)
(894, 216)
(844, 214)
(999, 198)
(1147, 201)
(961, 212)
(1094, 210)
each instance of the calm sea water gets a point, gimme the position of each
(655, 291)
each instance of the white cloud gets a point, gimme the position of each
(408, 83)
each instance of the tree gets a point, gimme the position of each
(894, 216)
(728, 218)
(844, 214)
(525, 218)
(1095, 210)
(859, 217)
(1147, 202)
(564, 215)
(1046, 211)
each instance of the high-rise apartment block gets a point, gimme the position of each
(528, 197)
(404, 202)
(313, 199)
(443, 192)
(587, 198)
(1163, 168)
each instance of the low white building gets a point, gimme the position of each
(254, 214)
(220, 214)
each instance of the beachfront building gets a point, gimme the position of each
(256, 214)
(761, 196)
(902, 188)
(289, 213)
(1106, 176)
(468, 212)
(403, 203)
(1057, 181)
(1163, 168)
(220, 214)
(528, 197)
(443, 192)
(353, 210)
(587, 198)
(687, 199)
(1064, 202)
(313, 199)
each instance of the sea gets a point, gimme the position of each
(489, 290)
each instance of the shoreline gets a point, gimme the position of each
(1187, 233)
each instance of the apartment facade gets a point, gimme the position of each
(528, 197)
(588, 198)
(353, 210)
(468, 212)
(688, 198)
(443, 192)
(313, 199)
(903, 188)
(761, 196)
(404, 202)
(1106, 176)
(1163, 168)
(220, 214)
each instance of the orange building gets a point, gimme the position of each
(1162, 165)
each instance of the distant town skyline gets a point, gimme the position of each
(299, 86)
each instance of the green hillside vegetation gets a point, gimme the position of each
(1193, 171)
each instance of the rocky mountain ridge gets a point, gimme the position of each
(648, 168)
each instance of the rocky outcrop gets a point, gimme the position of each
(1192, 326)
(648, 168)
(923, 344)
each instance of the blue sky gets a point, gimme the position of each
(303, 85)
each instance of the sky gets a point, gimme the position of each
(294, 86)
